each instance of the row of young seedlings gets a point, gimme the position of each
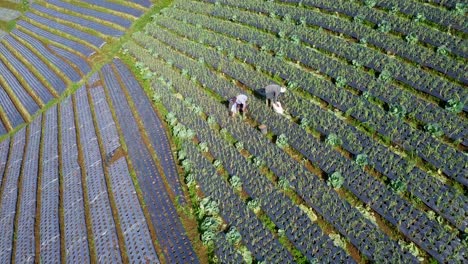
(245, 81)
(131, 50)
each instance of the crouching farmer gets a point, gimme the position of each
(238, 104)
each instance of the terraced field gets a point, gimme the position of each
(134, 158)
(51, 47)
(71, 181)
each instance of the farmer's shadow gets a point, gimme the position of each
(260, 93)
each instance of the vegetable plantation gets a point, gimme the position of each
(116, 143)
(368, 164)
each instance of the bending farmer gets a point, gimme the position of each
(272, 93)
(238, 104)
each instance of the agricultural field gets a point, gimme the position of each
(116, 144)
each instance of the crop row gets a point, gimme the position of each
(451, 161)
(385, 161)
(94, 40)
(106, 30)
(9, 196)
(116, 7)
(303, 140)
(92, 13)
(394, 12)
(448, 19)
(152, 123)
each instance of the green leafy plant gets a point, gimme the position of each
(292, 86)
(370, 3)
(254, 205)
(217, 163)
(187, 165)
(283, 183)
(340, 82)
(171, 118)
(356, 63)
(203, 146)
(211, 120)
(281, 34)
(190, 179)
(282, 141)
(258, 161)
(394, 9)
(302, 21)
(304, 123)
(286, 18)
(236, 182)
(412, 38)
(384, 26)
(208, 238)
(358, 18)
(443, 50)
(295, 39)
(233, 236)
(333, 140)
(335, 180)
(182, 132)
(156, 98)
(460, 8)
(210, 224)
(398, 186)
(412, 248)
(454, 106)
(239, 145)
(208, 207)
(419, 17)
(385, 76)
(434, 129)
(247, 256)
(397, 111)
(362, 160)
(181, 154)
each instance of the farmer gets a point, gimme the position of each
(238, 104)
(272, 93)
